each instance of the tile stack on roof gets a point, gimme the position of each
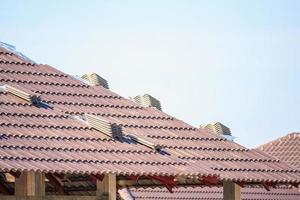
(95, 79)
(147, 100)
(53, 136)
(286, 149)
(218, 128)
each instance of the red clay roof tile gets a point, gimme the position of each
(286, 149)
(52, 138)
(284, 193)
(206, 193)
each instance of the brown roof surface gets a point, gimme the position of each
(49, 136)
(207, 193)
(286, 149)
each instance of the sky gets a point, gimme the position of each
(237, 62)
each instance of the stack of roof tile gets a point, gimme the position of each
(52, 136)
(95, 79)
(147, 100)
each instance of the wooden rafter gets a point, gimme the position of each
(267, 185)
(56, 183)
(15, 174)
(4, 189)
(239, 183)
(168, 181)
(62, 177)
(95, 177)
(209, 180)
(296, 185)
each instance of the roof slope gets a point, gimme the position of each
(286, 149)
(52, 139)
(206, 193)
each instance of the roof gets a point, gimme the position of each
(54, 137)
(286, 148)
(207, 193)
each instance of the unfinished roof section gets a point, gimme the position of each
(286, 149)
(57, 138)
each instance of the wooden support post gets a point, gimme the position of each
(107, 188)
(231, 191)
(30, 184)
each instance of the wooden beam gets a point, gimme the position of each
(231, 191)
(95, 177)
(15, 174)
(56, 183)
(168, 181)
(210, 180)
(296, 185)
(62, 177)
(241, 184)
(107, 188)
(30, 184)
(4, 189)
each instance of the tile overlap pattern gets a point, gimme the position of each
(286, 149)
(52, 139)
(206, 193)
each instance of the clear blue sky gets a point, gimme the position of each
(237, 62)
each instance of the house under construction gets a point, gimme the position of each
(64, 139)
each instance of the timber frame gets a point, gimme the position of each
(37, 185)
